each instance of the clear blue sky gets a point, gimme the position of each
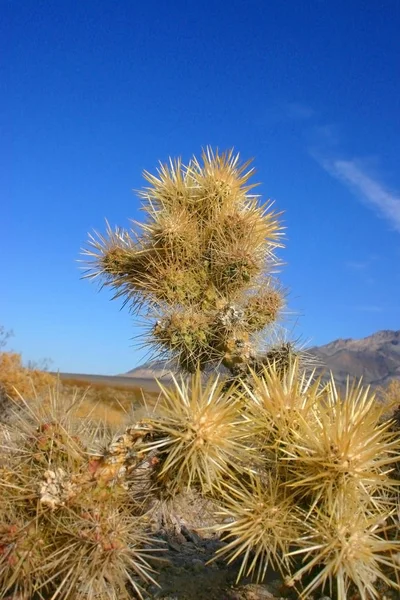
(94, 92)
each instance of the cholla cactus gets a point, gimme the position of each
(352, 550)
(330, 459)
(300, 470)
(202, 264)
(261, 524)
(342, 450)
(71, 525)
(200, 435)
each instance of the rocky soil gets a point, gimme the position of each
(186, 573)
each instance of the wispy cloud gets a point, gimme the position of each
(369, 308)
(362, 269)
(357, 265)
(300, 112)
(324, 141)
(372, 191)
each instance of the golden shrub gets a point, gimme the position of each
(16, 379)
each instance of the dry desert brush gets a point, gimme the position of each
(15, 379)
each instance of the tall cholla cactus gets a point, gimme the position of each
(201, 265)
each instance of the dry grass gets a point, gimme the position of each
(112, 405)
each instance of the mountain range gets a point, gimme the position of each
(375, 358)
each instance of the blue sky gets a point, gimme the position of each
(95, 92)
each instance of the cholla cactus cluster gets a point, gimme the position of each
(202, 263)
(303, 473)
(292, 462)
(72, 525)
(325, 491)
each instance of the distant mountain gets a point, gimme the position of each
(375, 358)
(160, 369)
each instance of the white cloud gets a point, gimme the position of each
(372, 191)
(324, 141)
(357, 265)
(299, 112)
(369, 308)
